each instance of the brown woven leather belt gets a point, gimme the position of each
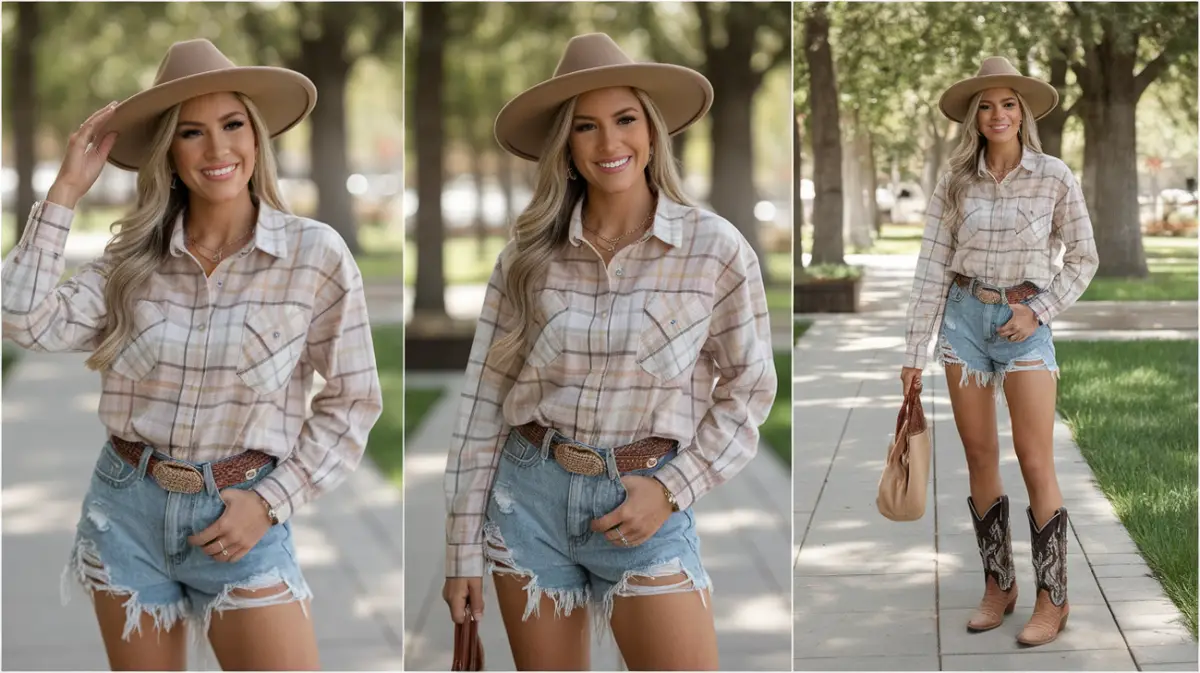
(581, 459)
(995, 295)
(179, 477)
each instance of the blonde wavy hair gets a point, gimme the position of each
(544, 226)
(142, 239)
(964, 160)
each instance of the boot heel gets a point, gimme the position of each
(1012, 605)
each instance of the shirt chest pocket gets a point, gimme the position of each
(273, 339)
(1035, 214)
(141, 355)
(675, 331)
(550, 343)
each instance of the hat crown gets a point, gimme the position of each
(593, 50)
(996, 65)
(190, 57)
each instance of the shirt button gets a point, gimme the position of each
(604, 315)
(275, 334)
(620, 271)
(220, 283)
(202, 327)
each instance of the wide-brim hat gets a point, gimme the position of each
(590, 62)
(997, 72)
(196, 68)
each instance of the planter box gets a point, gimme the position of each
(826, 296)
(439, 343)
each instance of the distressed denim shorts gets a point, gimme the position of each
(538, 525)
(968, 337)
(132, 541)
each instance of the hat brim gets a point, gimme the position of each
(283, 98)
(1040, 96)
(682, 95)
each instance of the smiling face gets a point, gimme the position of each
(999, 115)
(214, 147)
(610, 139)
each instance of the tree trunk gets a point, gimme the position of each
(23, 108)
(1050, 127)
(828, 243)
(934, 154)
(872, 180)
(1108, 110)
(731, 70)
(430, 292)
(797, 200)
(329, 69)
(1110, 186)
(505, 170)
(857, 224)
(478, 170)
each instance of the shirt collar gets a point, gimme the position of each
(667, 226)
(1030, 160)
(269, 235)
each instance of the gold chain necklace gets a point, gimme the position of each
(217, 255)
(612, 242)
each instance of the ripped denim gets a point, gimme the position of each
(968, 338)
(538, 526)
(131, 541)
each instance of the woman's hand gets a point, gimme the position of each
(907, 374)
(84, 160)
(461, 593)
(644, 511)
(1022, 325)
(239, 528)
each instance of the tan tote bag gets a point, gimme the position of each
(905, 479)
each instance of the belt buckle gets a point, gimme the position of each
(178, 477)
(579, 459)
(988, 295)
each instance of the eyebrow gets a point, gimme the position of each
(1002, 100)
(228, 116)
(615, 114)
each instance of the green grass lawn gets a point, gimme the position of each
(8, 357)
(386, 445)
(1132, 409)
(777, 430)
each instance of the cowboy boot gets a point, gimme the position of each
(1050, 570)
(995, 550)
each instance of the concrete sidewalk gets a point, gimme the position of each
(744, 535)
(349, 542)
(871, 594)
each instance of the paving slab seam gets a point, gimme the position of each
(1092, 570)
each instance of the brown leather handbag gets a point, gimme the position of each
(468, 648)
(905, 480)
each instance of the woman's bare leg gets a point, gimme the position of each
(665, 632)
(278, 637)
(544, 641)
(148, 649)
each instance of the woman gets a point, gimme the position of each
(986, 275)
(207, 316)
(589, 422)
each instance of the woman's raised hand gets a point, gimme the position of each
(84, 160)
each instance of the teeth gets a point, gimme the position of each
(615, 164)
(218, 173)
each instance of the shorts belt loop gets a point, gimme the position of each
(210, 481)
(547, 442)
(144, 461)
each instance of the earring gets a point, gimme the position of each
(571, 174)
(174, 180)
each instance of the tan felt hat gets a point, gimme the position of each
(195, 68)
(590, 62)
(996, 72)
